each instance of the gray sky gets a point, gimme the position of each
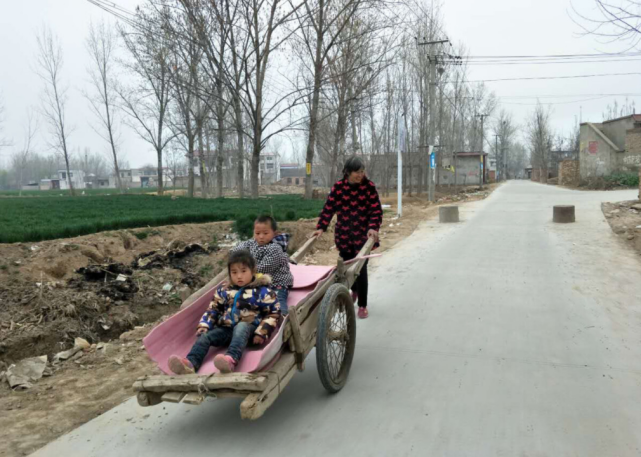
(21, 87)
(490, 27)
(540, 27)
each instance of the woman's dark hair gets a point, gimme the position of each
(267, 220)
(242, 257)
(353, 164)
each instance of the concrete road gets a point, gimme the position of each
(504, 335)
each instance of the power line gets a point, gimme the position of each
(570, 96)
(551, 77)
(560, 56)
(557, 103)
(575, 62)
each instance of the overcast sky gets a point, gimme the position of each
(541, 27)
(487, 28)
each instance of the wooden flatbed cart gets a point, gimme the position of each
(324, 319)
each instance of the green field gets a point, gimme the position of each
(79, 192)
(36, 219)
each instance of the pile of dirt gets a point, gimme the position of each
(100, 285)
(625, 220)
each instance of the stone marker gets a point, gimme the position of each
(563, 214)
(448, 214)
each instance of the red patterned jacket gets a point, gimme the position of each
(358, 210)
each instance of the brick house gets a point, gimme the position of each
(609, 147)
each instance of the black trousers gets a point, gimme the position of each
(360, 286)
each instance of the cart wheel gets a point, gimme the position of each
(335, 338)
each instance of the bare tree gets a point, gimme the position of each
(504, 130)
(517, 160)
(321, 24)
(101, 45)
(263, 21)
(226, 46)
(49, 62)
(147, 103)
(615, 110)
(612, 20)
(21, 157)
(540, 138)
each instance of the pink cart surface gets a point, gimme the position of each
(177, 334)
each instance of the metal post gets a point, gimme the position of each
(399, 186)
(431, 137)
(481, 176)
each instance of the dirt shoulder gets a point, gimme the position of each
(625, 220)
(44, 319)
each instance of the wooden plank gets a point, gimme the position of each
(355, 268)
(303, 250)
(194, 398)
(255, 405)
(299, 348)
(281, 373)
(148, 398)
(309, 328)
(192, 383)
(173, 397)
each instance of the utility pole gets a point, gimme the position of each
(504, 153)
(481, 176)
(432, 59)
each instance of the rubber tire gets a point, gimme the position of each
(335, 293)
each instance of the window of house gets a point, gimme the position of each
(270, 166)
(289, 180)
(70, 175)
(297, 181)
(64, 175)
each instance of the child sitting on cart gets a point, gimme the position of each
(270, 251)
(244, 310)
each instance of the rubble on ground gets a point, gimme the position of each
(625, 220)
(21, 375)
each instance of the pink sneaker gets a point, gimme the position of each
(180, 365)
(362, 312)
(225, 363)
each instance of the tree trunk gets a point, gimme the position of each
(190, 161)
(204, 182)
(241, 148)
(190, 175)
(254, 167)
(69, 182)
(220, 142)
(161, 184)
(313, 117)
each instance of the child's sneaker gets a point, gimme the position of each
(180, 365)
(362, 312)
(224, 363)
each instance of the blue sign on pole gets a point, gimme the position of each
(433, 160)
